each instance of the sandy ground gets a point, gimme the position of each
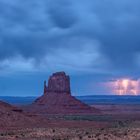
(119, 109)
(117, 122)
(125, 133)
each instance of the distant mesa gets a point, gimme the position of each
(57, 98)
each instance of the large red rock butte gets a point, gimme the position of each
(57, 98)
(59, 83)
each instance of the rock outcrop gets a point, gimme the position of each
(59, 83)
(57, 98)
(11, 116)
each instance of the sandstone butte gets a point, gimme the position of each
(57, 98)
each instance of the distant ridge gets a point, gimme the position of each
(89, 99)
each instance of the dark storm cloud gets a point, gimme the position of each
(104, 34)
(62, 14)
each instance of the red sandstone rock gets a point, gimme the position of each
(59, 82)
(11, 116)
(57, 98)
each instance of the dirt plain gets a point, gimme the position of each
(116, 122)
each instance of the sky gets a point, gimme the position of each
(93, 41)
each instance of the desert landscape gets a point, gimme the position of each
(57, 115)
(69, 69)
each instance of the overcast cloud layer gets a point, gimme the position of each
(81, 37)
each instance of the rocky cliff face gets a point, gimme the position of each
(59, 83)
(57, 98)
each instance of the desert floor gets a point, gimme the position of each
(117, 122)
